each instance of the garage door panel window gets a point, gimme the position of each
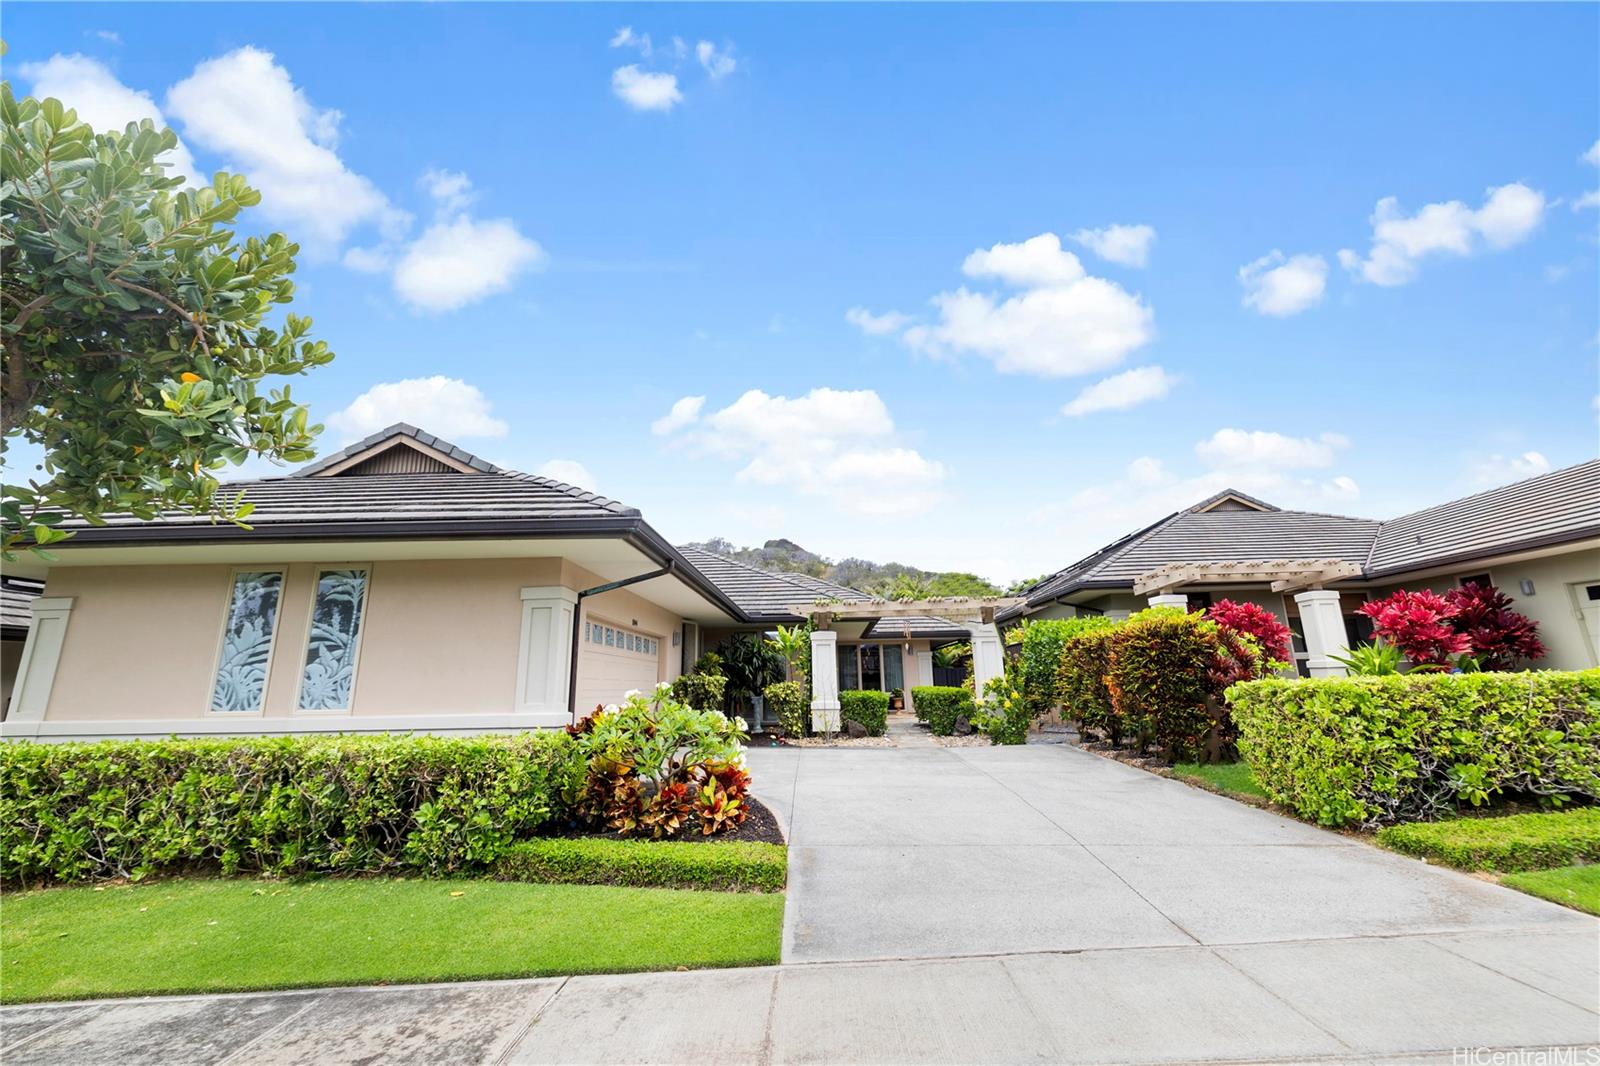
(616, 638)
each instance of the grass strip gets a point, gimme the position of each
(722, 866)
(1506, 844)
(1228, 777)
(219, 935)
(1575, 886)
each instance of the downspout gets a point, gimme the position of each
(577, 614)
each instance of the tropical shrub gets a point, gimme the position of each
(750, 664)
(1256, 622)
(718, 866)
(1499, 636)
(1006, 712)
(941, 705)
(280, 805)
(793, 643)
(867, 706)
(656, 766)
(1081, 683)
(1041, 643)
(1371, 660)
(1371, 751)
(788, 700)
(704, 685)
(1419, 624)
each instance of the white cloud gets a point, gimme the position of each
(88, 87)
(718, 63)
(1122, 391)
(685, 412)
(445, 406)
(1279, 286)
(1127, 245)
(450, 189)
(877, 325)
(1262, 449)
(109, 36)
(1504, 469)
(832, 444)
(626, 38)
(1065, 321)
(569, 471)
(245, 107)
(1588, 199)
(644, 90)
(1593, 154)
(1509, 215)
(460, 261)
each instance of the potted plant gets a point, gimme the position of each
(897, 700)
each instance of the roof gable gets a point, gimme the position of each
(400, 449)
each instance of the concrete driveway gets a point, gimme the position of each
(980, 905)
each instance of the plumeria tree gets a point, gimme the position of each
(135, 328)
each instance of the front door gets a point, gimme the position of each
(871, 667)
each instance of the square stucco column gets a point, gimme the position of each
(988, 660)
(824, 681)
(1324, 628)
(1178, 600)
(924, 675)
(544, 654)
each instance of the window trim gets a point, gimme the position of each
(361, 635)
(282, 570)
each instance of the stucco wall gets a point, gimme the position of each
(437, 637)
(620, 607)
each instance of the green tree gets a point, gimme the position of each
(134, 328)
(956, 583)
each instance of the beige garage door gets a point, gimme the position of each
(617, 658)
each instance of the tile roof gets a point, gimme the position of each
(399, 429)
(1562, 505)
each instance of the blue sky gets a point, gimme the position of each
(576, 231)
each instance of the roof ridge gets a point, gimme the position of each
(389, 432)
(578, 491)
(787, 577)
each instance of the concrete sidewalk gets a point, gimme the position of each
(1386, 1000)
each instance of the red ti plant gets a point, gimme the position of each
(1255, 621)
(1500, 636)
(1420, 625)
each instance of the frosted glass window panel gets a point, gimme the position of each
(328, 680)
(246, 656)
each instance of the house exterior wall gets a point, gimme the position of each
(619, 607)
(439, 640)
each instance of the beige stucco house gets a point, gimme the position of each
(1538, 540)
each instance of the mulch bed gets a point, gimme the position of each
(759, 826)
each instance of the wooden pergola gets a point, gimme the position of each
(1282, 575)
(823, 613)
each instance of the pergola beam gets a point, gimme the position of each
(954, 609)
(1282, 574)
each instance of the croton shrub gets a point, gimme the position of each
(1081, 683)
(1006, 711)
(279, 805)
(1041, 643)
(1371, 751)
(657, 767)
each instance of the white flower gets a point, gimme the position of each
(631, 693)
(742, 724)
(663, 687)
(612, 708)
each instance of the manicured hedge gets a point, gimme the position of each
(1041, 646)
(941, 705)
(722, 866)
(346, 804)
(1081, 683)
(789, 700)
(1517, 842)
(1372, 751)
(869, 708)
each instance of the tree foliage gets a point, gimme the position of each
(134, 327)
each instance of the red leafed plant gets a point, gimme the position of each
(1500, 636)
(1255, 621)
(720, 803)
(1420, 625)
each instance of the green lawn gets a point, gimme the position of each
(1576, 886)
(1224, 776)
(233, 935)
(1538, 841)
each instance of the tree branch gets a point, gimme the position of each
(199, 330)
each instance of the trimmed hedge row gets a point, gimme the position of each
(1371, 751)
(1517, 842)
(868, 707)
(790, 701)
(941, 705)
(282, 805)
(722, 866)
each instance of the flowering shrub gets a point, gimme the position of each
(1006, 711)
(788, 700)
(1254, 621)
(1499, 635)
(1419, 624)
(657, 765)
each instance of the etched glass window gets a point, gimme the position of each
(246, 655)
(330, 668)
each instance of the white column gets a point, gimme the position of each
(1170, 599)
(41, 654)
(924, 675)
(1118, 616)
(1324, 628)
(544, 654)
(988, 660)
(824, 681)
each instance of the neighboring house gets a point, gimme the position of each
(1538, 540)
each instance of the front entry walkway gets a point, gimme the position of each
(974, 905)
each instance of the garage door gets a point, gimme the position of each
(617, 658)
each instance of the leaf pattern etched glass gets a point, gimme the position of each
(330, 668)
(247, 642)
